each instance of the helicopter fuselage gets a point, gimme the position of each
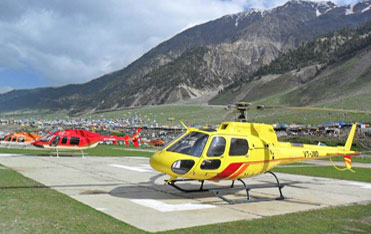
(20, 139)
(235, 150)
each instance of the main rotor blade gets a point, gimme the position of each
(262, 107)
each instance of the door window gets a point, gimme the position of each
(74, 141)
(64, 140)
(210, 164)
(238, 147)
(217, 147)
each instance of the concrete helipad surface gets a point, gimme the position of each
(129, 190)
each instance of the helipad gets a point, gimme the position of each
(129, 190)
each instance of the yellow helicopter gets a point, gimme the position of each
(234, 151)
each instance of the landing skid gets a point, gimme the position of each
(201, 189)
(82, 153)
(219, 192)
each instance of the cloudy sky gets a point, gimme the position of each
(57, 42)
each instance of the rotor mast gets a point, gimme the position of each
(242, 107)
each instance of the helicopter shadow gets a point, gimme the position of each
(154, 189)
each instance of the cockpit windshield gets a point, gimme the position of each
(191, 144)
(46, 138)
(172, 141)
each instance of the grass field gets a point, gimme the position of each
(27, 206)
(100, 150)
(347, 219)
(362, 174)
(189, 113)
(203, 114)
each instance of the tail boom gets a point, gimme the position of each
(284, 153)
(135, 139)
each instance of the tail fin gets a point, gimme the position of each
(349, 142)
(136, 142)
(348, 162)
(347, 147)
(136, 138)
(136, 133)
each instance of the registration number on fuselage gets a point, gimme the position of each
(311, 154)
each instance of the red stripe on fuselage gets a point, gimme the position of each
(240, 171)
(228, 171)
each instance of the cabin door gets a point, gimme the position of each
(212, 158)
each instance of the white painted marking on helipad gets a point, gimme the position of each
(163, 207)
(11, 155)
(361, 184)
(131, 168)
(101, 209)
(146, 166)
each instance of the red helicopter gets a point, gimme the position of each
(78, 139)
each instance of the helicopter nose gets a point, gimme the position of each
(38, 145)
(158, 163)
(171, 164)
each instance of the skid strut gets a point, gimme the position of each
(279, 186)
(201, 189)
(219, 192)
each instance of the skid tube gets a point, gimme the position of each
(218, 192)
(201, 189)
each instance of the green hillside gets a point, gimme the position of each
(331, 71)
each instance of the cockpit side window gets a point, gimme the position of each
(46, 138)
(239, 147)
(191, 144)
(55, 141)
(217, 147)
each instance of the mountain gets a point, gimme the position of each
(333, 69)
(203, 59)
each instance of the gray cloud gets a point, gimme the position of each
(75, 41)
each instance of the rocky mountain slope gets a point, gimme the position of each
(204, 58)
(334, 69)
